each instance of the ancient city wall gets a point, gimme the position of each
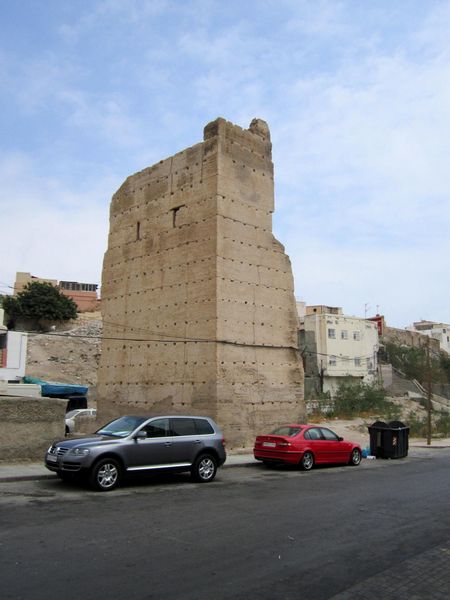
(198, 307)
(415, 339)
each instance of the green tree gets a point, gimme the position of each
(40, 301)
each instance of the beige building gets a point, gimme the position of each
(83, 294)
(335, 346)
(23, 279)
(197, 295)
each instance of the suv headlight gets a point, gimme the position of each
(80, 451)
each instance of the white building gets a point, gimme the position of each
(13, 353)
(335, 346)
(437, 331)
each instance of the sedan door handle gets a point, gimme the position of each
(168, 444)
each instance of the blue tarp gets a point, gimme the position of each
(57, 390)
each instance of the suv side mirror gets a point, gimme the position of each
(140, 435)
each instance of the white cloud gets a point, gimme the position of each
(362, 170)
(357, 96)
(318, 19)
(105, 13)
(48, 229)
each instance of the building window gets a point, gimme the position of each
(73, 286)
(332, 334)
(344, 334)
(332, 361)
(175, 213)
(356, 336)
(357, 362)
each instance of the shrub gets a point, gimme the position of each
(413, 363)
(40, 301)
(356, 398)
(440, 424)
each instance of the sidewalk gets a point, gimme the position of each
(32, 471)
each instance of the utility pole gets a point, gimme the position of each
(321, 372)
(428, 394)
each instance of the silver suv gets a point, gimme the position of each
(134, 444)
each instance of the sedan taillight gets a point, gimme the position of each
(284, 444)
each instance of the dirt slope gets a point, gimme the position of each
(69, 356)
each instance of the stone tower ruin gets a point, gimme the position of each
(198, 306)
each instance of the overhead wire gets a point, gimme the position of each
(179, 339)
(163, 341)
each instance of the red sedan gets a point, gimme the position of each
(305, 445)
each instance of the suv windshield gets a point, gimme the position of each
(122, 427)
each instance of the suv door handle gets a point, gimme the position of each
(167, 443)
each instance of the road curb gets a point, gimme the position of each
(430, 447)
(242, 464)
(43, 476)
(233, 461)
(7, 478)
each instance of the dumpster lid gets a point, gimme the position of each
(397, 425)
(379, 425)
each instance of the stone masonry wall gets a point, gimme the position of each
(198, 307)
(29, 425)
(415, 339)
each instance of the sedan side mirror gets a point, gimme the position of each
(341, 439)
(140, 435)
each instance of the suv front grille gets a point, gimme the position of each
(57, 451)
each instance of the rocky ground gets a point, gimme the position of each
(69, 356)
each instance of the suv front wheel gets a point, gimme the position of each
(204, 468)
(105, 475)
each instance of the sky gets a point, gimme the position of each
(356, 94)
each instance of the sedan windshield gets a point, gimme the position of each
(286, 430)
(121, 427)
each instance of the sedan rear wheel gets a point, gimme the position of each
(105, 475)
(355, 457)
(307, 461)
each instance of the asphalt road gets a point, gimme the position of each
(254, 533)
